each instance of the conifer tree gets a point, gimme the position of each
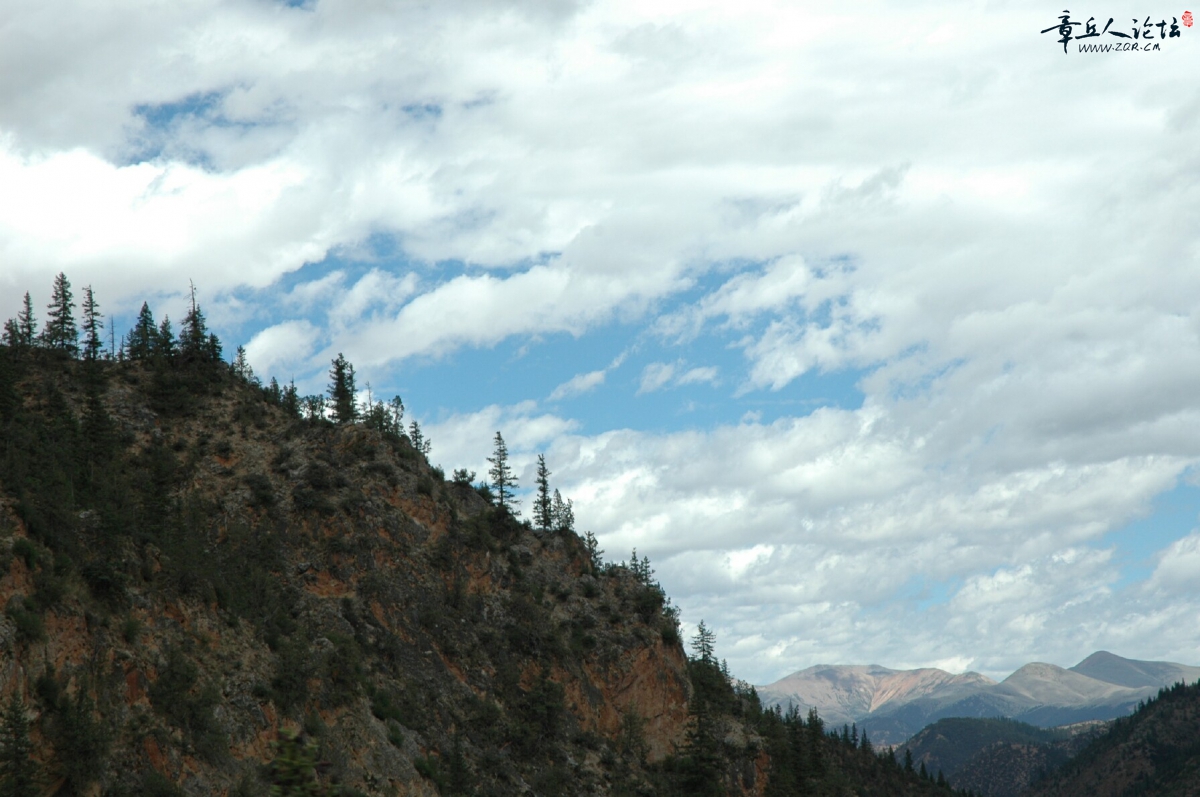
(91, 326)
(420, 442)
(164, 349)
(314, 407)
(193, 336)
(291, 400)
(543, 505)
(241, 366)
(593, 549)
(26, 324)
(562, 514)
(703, 643)
(60, 332)
(18, 771)
(11, 336)
(142, 337)
(342, 391)
(503, 480)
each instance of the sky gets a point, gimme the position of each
(875, 329)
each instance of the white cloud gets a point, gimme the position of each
(1177, 574)
(276, 348)
(694, 376)
(578, 385)
(951, 206)
(655, 376)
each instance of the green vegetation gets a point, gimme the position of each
(18, 771)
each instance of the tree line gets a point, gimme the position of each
(174, 358)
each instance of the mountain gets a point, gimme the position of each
(1155, 752)
(210, 587)
(1110, 668)
(851, 693)
(892, 705)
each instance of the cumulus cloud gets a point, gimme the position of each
(949, 206)
(275, 348)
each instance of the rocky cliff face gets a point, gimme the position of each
(195, 578)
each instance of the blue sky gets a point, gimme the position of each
(876, 329)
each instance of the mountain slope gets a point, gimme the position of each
(1156, 751)
(850, 693)
(996, 757)
(205, 593)
(1110, 668)
(190, 570)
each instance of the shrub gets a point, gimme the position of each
(29, 623)
(26, 550)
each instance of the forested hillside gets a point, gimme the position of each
(1156, 751)
(216, 586)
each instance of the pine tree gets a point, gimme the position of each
(60, 332)
(419, 441)
(164, 348)
(908, 761)
(703, 644)
(193, 337)
(18, 771)
(291, 400)
(141, 340)
(314, 407)
(91, 326)
(241, 366)
(562, 514)
(593, 549)
(11, 335)
(543, 506)
(26, 324)
(342, 391)
(503, 480)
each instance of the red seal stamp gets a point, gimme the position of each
(1187, 19)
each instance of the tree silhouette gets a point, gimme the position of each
(503, 480)
(26, 323)
(562, 514)
(60, 332)
(141, 338)
(543, 506)
(91, 326)
(341, 390)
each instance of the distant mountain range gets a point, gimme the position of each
(892, 705)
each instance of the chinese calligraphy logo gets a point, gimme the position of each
(1144, 36)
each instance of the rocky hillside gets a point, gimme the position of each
(206, 593)
(189, 569)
